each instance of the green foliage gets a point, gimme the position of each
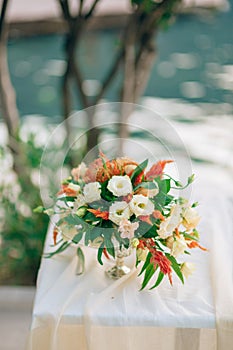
(22, 231)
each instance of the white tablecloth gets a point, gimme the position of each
(93, 312)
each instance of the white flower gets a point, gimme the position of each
(187, 268)
(119, 211)
(74, 187)
(92, 192)
(179, 246)
(127, 228)
(171, 222)
(141, 205)
(190, 218)
(120, 185)
(67, 231)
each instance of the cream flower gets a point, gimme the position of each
(187, 268)
(142, 254)
(68, 231)
(119, 211)
(127, 228)
(190, 218)
(120, 185)
(171, 222)
(92, 192)
(141, 205)
(179, 246)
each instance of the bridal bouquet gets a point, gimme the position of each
(117, 204)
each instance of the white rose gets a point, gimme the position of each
(141, 205)
(190, 218)
(171, 222)
(92, 192)
(68, 232)
(187, 268)
(119, 211)
(179, 246)
(120, 185)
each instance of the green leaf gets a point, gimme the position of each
(138, 170)
(59, 250)
(81, 262)
(100, 252)
(159, 280)
(109, 246)
(150, 270)
(150, 185)
(175, 266)
(193, 238)
(77, 238)
(146, 263)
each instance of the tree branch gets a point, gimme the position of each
(90, 12)
(2, 18)
(65, 10)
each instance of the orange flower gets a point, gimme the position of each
(156, 170)
(138, 179)
(99, 214)
(67, 191)
(158, 258)
(195, 244)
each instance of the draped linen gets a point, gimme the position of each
(92, 312)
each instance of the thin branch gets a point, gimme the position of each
(65, 10)
(81, 2)
(90, 13)
(3, 14)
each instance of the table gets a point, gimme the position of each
(93, 312)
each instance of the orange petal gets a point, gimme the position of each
(99, 214)
(157, 169)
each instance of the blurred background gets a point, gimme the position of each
(59, 57)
